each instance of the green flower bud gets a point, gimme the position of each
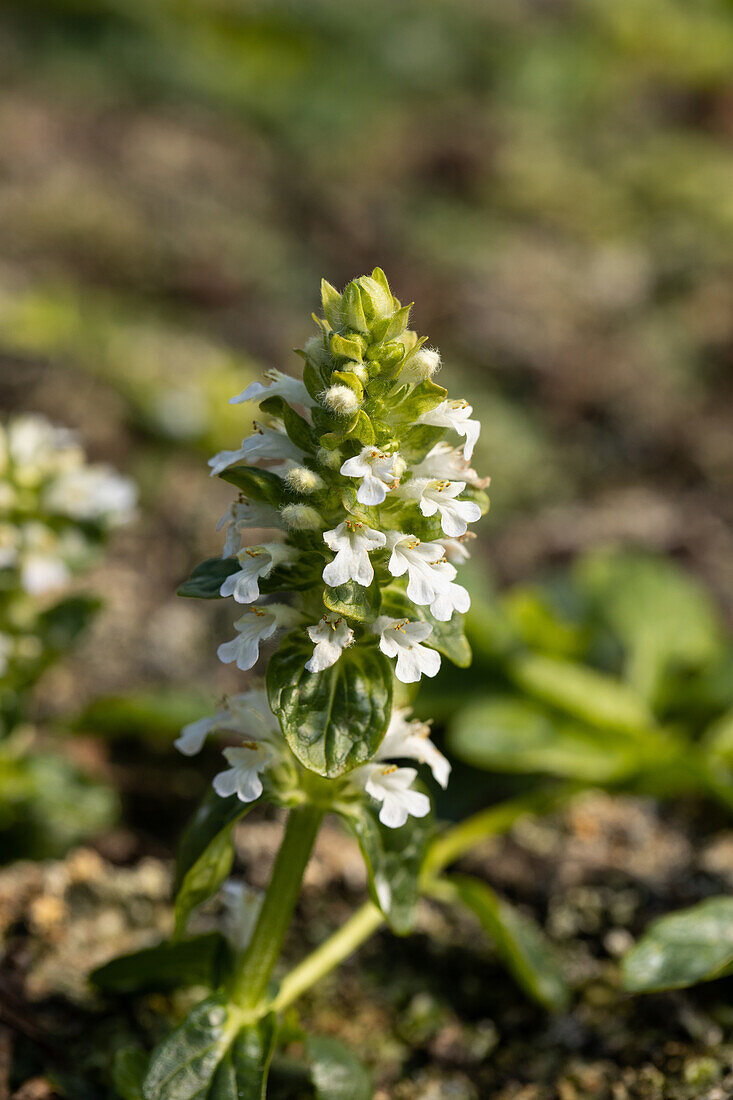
(341, 399)
(301, 517)
(303, 480)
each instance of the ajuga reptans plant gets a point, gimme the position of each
(362, 473)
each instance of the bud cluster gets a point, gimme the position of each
(55, 510)
(362, 473)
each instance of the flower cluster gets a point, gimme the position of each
(55, 510)
(362, 473)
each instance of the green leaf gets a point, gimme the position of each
(398, 323)
(349, 379)
(129, 1067)
(214, 816)
(663, 617)
(62, 624)
(393, 859)
(352, 308)
(207, 578)
(211, 1055)
(332, 720)
(331, 300)
(158, 714)
(421, 399)
(204, 877)
(362, 429)
(257, 484)
(346, 347)
(505, 733)
(681, 949)
(336, 1072)
(576, 689)
(201, 960)
(718, 738)
(519, 942)
(299, 430)
(354, 601)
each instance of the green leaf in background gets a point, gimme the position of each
(336, 1072)
(393, 859)
(519, 942)
(158, 715)
(211, 1055)
(129, 1067)
(200, 960)
(681, 949)
(207, 578)
(62, 624)
(592, 696)
(718, 738)
(257, 484)
(213, 815)
(663, 616)
(507, 733)
(354, 600)
(204, 877)
(335, 719)
(541, 626)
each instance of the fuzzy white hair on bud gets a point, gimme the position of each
(301, 517)
(359, 370)
(341, 400)
(421, 365)
(303, 480)
(330, 459)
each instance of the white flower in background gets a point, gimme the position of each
(241, 908)
(402, 639)
(352, 542)
(410, 739)
(392, 786)
(92, 493)
(332, 634)
(440, 496)
(255, 562)
(265, 442)
(242, 514)
(379, 472)
(456, 550)
(430, 576)
(280, 385)
(42, 573)
(254, 627)
(193, 736)
(37, 448)
(247, 761)
(455, 415)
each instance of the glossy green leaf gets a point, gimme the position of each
(505, 733)
(354, 600)
(352, 308)
(129, 1067)
(346, 347)
(335, 719)
(201, 960)
(211, 1056)
(336, 1072)
(207, 578)
(299, 430)
(682, 949)
(257, 484)
(583, 692)
(393, 859)
(519, 942)
(662, 615)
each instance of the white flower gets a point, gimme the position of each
(392, 786)
(242, 514)
(254, 627)
(352, 542)
(241, 905)
(193, 735)
(332, 634)
(456, 550)
(265, 442)
(92, 493)
(448, 464)
(411, 740)
(256, 562)
(247, 713)
(38, 448)
(401, 638)
(247, 761)
(455, 415)
(439, 496)
(41, 573)
(280, 385)
(430, 577)
(380, 472)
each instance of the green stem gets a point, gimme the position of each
(443, 850)
(263, 950)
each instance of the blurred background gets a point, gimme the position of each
(549, 180)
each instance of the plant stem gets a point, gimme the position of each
(443, 850)
(263, 951)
